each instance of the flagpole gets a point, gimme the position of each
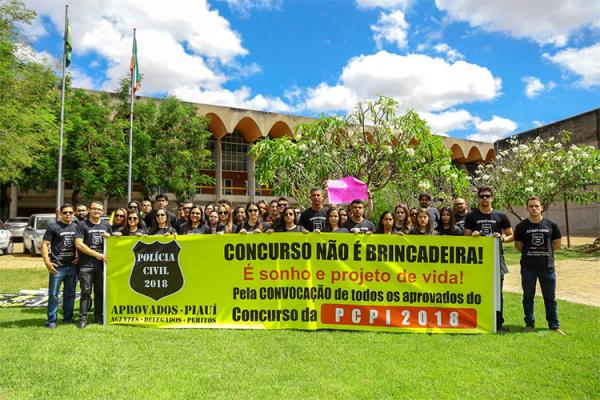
(59, 194)
(133, 86)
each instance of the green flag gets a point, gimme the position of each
(68, 46)
(135, 67)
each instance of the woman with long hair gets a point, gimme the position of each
(213, 225)
(253, 222)
(447, 227)
(239, 217)
(118, 220)
(386, 223)
(413, 216)
(423, 225)
(207, 210)
(135, 225)
(343, 214)
(161, 224)
(402, 219)
(332, 221)
(194, 225)
(287, 221)
(225, 218)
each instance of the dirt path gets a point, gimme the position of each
(578, 281)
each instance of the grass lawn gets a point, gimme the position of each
(134, 363)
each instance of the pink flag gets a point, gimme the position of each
(346, 189)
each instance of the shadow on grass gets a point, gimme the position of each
(24, 323)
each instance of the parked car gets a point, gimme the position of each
(6, 243)
(16, 226)
(34, 231)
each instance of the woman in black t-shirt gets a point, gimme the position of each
(118, 223)
(253, 222)
(423, 225)
(194, 225)
(386, 224)
(161, 224)
(447, 227)
(402, 219)
(287, 221)
(134, 225)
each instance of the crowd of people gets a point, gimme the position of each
(72, 247)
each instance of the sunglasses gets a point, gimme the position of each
(289, 214)
(253, 210)
(195, 213)
(161, 215)
(132, 218)
(485, 196)
(67, 212)
(281, 205)
(223, 213)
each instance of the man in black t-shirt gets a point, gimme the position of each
(536, 238)
(315, 217)
(459, 207)
(485, 221)
(60, 262)
(162, 201)
(89, 241)
(357, 223)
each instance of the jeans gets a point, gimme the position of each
(548, 285)
(66, 274)
(90, 276)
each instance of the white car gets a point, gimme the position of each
(6, 243)
(34, 232)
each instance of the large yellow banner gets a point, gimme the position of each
(311, 281)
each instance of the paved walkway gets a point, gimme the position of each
(578, 281)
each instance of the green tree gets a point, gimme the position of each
(27, 98)
(395, 155)
(169, 144)
(551, 169)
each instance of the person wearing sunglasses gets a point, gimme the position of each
(195, 224)
(162, 201)
(485, 221)
(413, 216)
(119, 220)
(60, 257)
(162, 224)
(89, 242)
(135, 225)
(287, 221)
(225, 219)
(253, 222)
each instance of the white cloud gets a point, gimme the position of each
(245, 7)
(533, 86)
(451, 54)
(182, 44)
(385, 4)
(546, 22)
(537, 123)
(418, 81)
(330, 98)
(492, 130)
(583, 62)
(391, 28)
(448, 121)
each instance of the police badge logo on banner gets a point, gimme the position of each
(156, 272)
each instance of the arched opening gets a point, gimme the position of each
(216, 125)
(248, 128)
(280, 129)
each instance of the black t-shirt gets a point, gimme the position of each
(91, 234)
(219, 229)
(164, 231)
(151, 217)
(296, 228)
(418, 232)
(311, 219)
(459, 221)
(452, 231)
(364, 226)
(487, 224)
(139, 232)
(186, 229)
(537, 253)
(62, 242)
(249, 228)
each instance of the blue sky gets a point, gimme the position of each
(473, 69)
